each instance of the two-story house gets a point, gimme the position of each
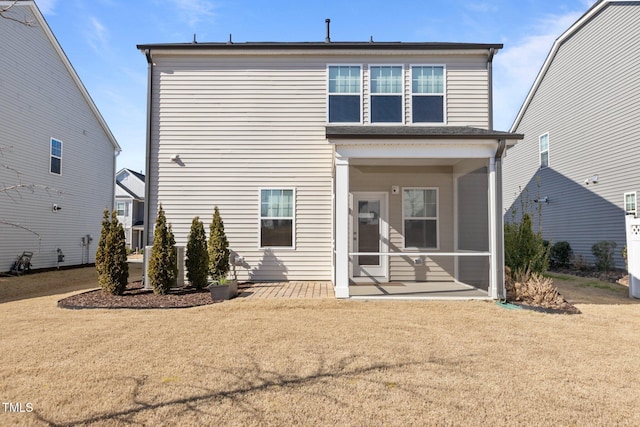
(581, 119)
(57, 154)
(343, 161)
(129, 199)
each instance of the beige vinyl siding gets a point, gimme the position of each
(588, 103)
(239, 126)
(244, 122)
(39, 100)
(380, 179)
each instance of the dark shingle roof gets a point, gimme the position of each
(417, 132)
(322, 46)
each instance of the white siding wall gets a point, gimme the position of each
(241, 123)
(589, 104)
(39, 100)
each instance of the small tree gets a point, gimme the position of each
(162, 272)
(218, 248)
(102, 242)
(603, 251)
(525, 250)
(111, 261)
(197, 257)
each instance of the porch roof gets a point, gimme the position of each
(417, 132)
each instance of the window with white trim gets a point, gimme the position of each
(630, 203)
(427, 94)
(386, 93)
(345, 90)
(120, 207)
(277, 214)
(55, 163)
(544, 150)
(420, 217)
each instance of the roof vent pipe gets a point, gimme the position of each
(327, 39)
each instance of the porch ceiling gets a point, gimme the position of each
(405, 162)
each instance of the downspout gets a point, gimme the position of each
(502, 145)
(147, 162)
(492, 53)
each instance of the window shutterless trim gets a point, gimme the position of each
(292, 218)
(402, 93)
(540, 152)
(361, 94)
(54, 156)
(444, 95)
(633, 211)
(436, 219)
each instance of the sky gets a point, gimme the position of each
(100, 36)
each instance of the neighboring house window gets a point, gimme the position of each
(345, 88)
(427, 94)
(544, 150)
(420, 217)
(55, 165)
(630, 203)
(386, 94)
(277, 218)
(121, 208)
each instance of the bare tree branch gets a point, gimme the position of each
(5, 15)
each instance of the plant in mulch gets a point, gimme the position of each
(603, 252)
(111, 257)
(218, 248)
(197, 257)
(532, 288)
(561, 254)
(163, 263)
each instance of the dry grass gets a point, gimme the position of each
(320, 362)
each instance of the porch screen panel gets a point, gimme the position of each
(420, 212)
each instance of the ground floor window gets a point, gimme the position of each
(277, 214)
(420, 217)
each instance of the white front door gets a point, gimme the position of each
(370, 234)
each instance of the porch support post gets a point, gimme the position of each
(495, 288)
(341, 280)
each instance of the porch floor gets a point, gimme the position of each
(416, 290)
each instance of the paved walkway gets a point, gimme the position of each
(301, 290)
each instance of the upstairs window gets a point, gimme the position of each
(427, 94)
(544, 150)
(121, 207)
(386, 94)
(276, 218)
(420, 217)
(55, 163)
(630, 203)
(345, 91)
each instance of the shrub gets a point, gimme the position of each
(197, 257)
(111, 261)
(603, 251)
(623, 252)
(163, 266)
(218, 248)
(561, 254)
(581, 263)
(524, 249)
(532, 288)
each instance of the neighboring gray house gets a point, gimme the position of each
(581, 121)
(343, 161)
(57, 153)
(130, 206)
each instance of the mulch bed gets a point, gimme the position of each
(135, 296)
